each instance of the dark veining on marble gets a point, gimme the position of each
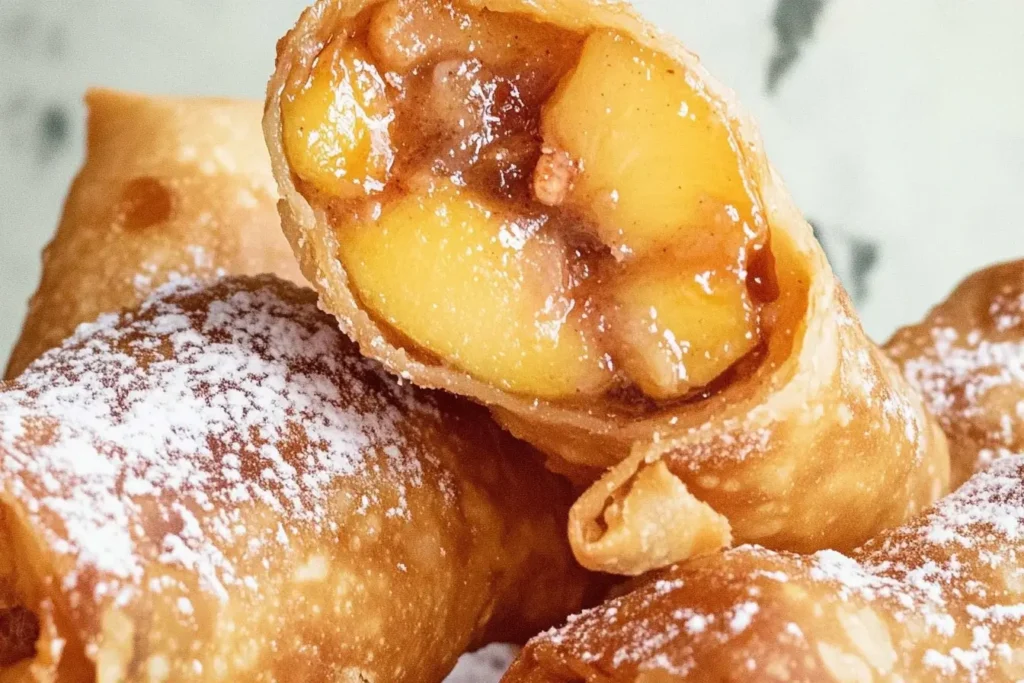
(27, 34)
(17, 32)
(54, 130)
(794, 22)
(853, 258)
(865, 258)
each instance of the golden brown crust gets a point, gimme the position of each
(218, 487)
(823, 406)
(824, 428)
(967, 360)
(170, 187)
(939, 599)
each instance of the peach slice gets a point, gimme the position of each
(676, 329)
(656, 159)
(336, 127)
(488, 291)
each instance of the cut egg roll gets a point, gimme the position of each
(170, 187)
(218, 487)
(967, 359)
(939, 599)
(553, 209)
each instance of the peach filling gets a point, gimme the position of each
(336, 127)
(555, 213)
(431, 257)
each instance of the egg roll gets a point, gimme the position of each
(967, 360)
(939, 599)
(170, 187)
(553, 209)
(217, 486)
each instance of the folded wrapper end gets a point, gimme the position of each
(639, 517)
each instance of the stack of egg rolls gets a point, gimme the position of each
(554, 214)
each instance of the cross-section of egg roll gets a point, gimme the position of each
(170, 187)
(552, 208)
(217, 486)
(939, 599)
(967, 360)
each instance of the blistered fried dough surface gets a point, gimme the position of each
(170, 188)
(939, 599)
(967, 359)
(218, 487)
(569, 221)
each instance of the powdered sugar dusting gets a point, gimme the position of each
(967, 359)
(943, 594)
(958, 376)
(212, 407)
(199, 262)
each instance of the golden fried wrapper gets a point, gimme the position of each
(170, 188)
(553, 209)
(939, 599)
(217, 486)
(967, 360)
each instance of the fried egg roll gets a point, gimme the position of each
(967, 359)
(939, 599)
(171, 187)
(218, 487)
(552, 208)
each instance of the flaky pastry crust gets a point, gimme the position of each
(967, 360)
(218, 487)
(938, 599)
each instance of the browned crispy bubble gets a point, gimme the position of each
(171, 187)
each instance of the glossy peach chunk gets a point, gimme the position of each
(336, 127)
(487, 291)
(656, 158)
(673, 330)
